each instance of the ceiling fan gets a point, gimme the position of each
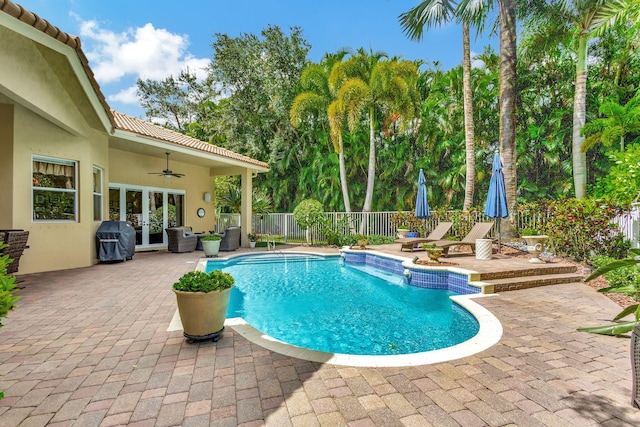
(168, 173)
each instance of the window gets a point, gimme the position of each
(97, 194)
(54, 189)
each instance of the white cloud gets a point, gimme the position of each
(475, 62)
(145, 52)
(126, 96)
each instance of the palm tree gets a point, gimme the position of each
(437, 12)
(556, 22)
(317, 99)
(377, 89)
(475, 12)
(619, 121)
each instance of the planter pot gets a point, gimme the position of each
(402, 232)
(434, 253)
(203, 314)
(535, 246)
(363, 244)
(252, 244)
(211, 247)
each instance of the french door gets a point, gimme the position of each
(149, 210)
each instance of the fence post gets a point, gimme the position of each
(635, 218)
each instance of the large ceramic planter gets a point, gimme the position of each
(402, 232)
(203, 314)
(211, 247)
(535, 246)
(252, 244)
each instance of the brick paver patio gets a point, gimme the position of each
(90, 347)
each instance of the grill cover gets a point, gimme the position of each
(115, 241)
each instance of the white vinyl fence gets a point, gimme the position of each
(283, 227)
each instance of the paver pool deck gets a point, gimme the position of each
(90, 347)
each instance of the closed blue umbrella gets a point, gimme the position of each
(422, 205)
(496, 206)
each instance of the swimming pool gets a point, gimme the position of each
(324, 304)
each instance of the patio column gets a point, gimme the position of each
(245, 208)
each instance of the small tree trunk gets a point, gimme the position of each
(343, 179)
(371, 173)
(579, 115)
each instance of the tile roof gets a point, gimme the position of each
(118, 120)
(141, 127)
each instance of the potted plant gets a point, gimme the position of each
(211, 245)
(535, 243)
(403, 229)
(433, 252)
(203, 300)
(362, 241)
(253, 238)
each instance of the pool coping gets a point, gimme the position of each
(489, 333)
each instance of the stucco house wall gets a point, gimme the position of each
(52, 107)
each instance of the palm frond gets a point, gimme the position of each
(428, 14)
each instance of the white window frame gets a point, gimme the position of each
(98, 194)
(73, 191)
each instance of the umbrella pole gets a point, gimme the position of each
(499, 235)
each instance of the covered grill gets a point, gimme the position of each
(115, 241)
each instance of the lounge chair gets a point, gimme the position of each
(437, 234)
(479, 231)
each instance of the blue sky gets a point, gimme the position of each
(128, 39)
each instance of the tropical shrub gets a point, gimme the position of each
(339, 234)
(7, 288)
(582, 228)
(624, 279)
(308, 213)
(629, 288)
(407, 220)
(622, 183)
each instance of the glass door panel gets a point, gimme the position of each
(175, 210)
(156, 217)
(114, 204)
(134, 215)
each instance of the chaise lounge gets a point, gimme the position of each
(438, 233)
(479, 231)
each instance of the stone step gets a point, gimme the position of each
(537, 270)
(525, 282)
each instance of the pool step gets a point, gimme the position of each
(269, 259)
(537, 270)
(530, 281)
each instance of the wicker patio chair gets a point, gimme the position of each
(635, 367)
(230, 239)
(181, 239)
(17, 241)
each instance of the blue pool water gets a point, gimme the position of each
(321, 304)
